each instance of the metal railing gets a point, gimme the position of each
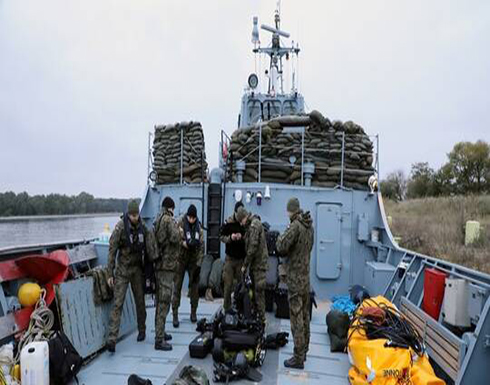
(304, 153)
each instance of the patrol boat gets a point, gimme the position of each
(353, 245)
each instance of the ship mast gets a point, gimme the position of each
(276, 53)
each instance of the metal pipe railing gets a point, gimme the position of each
(181, 156)
(342, 162)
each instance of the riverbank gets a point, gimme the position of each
(436, 227)
(56, 217)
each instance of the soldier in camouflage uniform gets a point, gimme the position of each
(256, 259)
(235, 254)
(190, 259)
(129, 242)
(295, 244)
(168, 241)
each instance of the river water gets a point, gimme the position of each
(35, 230)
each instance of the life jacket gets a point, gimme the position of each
(135, 240)
(192, 234)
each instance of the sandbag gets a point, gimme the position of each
(281, 154)
(169, 150)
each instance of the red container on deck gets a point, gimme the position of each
(434, 285)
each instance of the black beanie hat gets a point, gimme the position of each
(192, 211)
(168, 203)
(238, 205)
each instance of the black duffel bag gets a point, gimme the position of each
(240, 339)
(64, 360)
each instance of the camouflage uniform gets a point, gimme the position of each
(168, 240)
(128, 270)
(190, 261)
(231, 269)
(295, 244)
(256, 260)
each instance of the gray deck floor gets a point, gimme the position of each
(322, 367)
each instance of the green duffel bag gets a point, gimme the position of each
(192, 375)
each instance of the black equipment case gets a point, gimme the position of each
(201, 345)
(282, 302)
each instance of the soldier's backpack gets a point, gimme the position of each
(338, 329)
(64, 360)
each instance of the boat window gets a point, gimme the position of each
(272, 108)
(254, 113)
(290, 107)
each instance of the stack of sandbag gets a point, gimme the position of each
(281, 151)
(167, 153)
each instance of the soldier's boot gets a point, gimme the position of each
(141, 336)
(209, 295)
(111, 347)
(193, 316)
(294, 363)
(175, 321)
(162, 345)
(167, 337)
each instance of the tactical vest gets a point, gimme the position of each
(192, 234)
(134, 237)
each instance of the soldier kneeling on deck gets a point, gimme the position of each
(130, 240)
(295, 244)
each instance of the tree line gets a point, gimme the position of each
(467, 171)
(12, 204)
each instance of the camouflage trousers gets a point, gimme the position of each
(299, 313)
(122, 279)
(164, 282)
(259, 283)
(231, 273)
(192, 268)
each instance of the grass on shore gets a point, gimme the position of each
(436, 227)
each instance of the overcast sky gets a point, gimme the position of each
(83, 82)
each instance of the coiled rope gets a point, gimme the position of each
(40, 325)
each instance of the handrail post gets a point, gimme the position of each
(342, 164)
(149, 156)
(377, 154)
(260, 150)
(302, 154)
(181, 155)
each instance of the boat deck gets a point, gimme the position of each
(322, 367)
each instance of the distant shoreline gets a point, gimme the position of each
(49, 217)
